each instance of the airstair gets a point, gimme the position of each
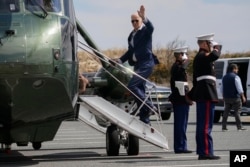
(96, 106)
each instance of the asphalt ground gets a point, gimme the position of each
(77, 145)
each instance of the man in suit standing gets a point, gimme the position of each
(139, 55)
(205, 95)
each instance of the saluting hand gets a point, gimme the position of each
(141, 12)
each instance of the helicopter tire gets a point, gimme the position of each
(132, 145)
(165, 116)
(112, 141)
(36, 145)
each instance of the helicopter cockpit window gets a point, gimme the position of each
(48, 5)
(8, 6)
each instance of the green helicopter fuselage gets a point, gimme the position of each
(38, 69)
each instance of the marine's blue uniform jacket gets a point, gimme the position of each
(204, 66)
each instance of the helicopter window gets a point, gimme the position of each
(48, 5)
(7, 6)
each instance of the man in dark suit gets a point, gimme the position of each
(139, 55)
(205, 95)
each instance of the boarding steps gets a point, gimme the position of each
(92, 106)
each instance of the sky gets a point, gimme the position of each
(108, 21)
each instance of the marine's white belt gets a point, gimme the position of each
(206, 77)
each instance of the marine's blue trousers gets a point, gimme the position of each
(205, 117)
(181, 112)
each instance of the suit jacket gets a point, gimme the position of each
(205, 89)
(142, 48)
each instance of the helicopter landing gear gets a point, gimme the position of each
(6, 148)
(36, 145)
(116, 137)
(132, 145)
(112, 141)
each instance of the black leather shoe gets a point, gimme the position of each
(183, 152)
(242, 129)
(208, 157)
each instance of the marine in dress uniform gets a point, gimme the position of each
(139, 55)
(205, 94)
(179, 100)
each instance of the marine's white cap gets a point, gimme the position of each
(206, 37)
(182, 49)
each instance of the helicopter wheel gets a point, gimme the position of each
(6, 148)
(132, 145)
(112, 141)
(36, 145)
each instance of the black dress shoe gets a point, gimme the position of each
(208, 157)
(183, 152)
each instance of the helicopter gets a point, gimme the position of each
(39, 71)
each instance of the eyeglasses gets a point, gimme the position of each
(132, 21)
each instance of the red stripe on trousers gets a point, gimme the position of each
(206, 127)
